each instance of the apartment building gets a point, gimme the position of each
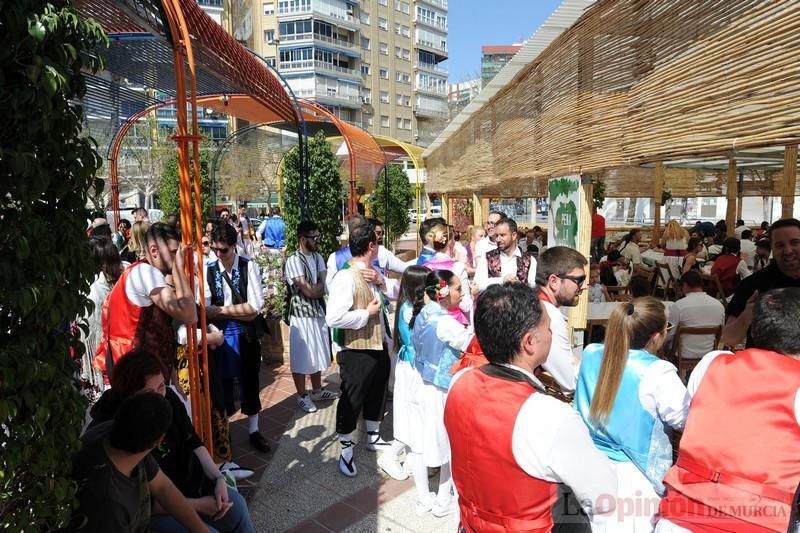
(373, 63)
(494, 58)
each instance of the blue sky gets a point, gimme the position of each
(475, 23)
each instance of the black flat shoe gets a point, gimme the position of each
(259, 442)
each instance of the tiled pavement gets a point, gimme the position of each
(297, 486)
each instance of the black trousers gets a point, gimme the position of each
(364, 374)
(249, 389)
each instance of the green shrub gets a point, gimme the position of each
(397, 198)
(47, 170)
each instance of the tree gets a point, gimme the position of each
(47, 168)
(399, 195)
(324, 202)
(169, 192)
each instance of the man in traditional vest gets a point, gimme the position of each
(738, 469)
(357, 312)
(516, 451)
(234, 297)
(506, 262)
(139, 310)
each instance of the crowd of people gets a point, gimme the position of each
(523, 432)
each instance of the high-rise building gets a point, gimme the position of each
(461, 94)
(494, 58)
(373, 63)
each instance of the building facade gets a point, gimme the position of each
(461, 94)
(493, 59)
(373, 63)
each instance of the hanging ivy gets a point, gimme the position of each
(598, 194)
(48, 168)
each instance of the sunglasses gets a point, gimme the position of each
(220, 250)
(314, 238)
(205, 243)
(577, 280)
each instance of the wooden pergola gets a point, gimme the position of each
(697, 98)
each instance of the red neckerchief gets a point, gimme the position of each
(543, 296)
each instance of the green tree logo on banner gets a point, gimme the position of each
(564, 210)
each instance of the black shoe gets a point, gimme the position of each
(259, 442)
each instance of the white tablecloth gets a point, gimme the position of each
(602, 310)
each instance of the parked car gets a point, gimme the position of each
(412, 215)
(436, 211)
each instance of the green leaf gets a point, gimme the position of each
(36, 29)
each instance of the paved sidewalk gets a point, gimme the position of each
(298, 487)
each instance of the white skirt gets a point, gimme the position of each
(637, 503)
(309, 345)
(406, 410)
(435, 444)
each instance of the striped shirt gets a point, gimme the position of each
(309, 267)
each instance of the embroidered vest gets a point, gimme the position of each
(434, 357)
(494, 494)
(494, 265)
(738, 466)
(631, 433)
(127, 326)
(370, 337)
(215, 282)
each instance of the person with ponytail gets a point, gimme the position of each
(630, 247)
(407, 381)
(627, 396)
(439, 339)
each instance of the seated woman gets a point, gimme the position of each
(694, 253)
(181, 456)
(627, 396)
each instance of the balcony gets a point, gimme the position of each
(431, 23)
(439, 50)
(305, 64)
(432, 91)
(293, 10)
(429, 112)
(430, 67)
(297, 37)
(344, 20)
(310, 64)
(441, 4)
(335, 68)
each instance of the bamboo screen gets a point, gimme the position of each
(635, 81)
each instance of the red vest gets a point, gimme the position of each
(725, 269)
(494, 493)
(127, 326)
(739, 461)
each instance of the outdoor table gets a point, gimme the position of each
(650, 257)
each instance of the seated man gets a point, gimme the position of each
(737, 470)
(116, 475)
(516, 451)
(695, 310)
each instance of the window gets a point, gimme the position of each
(402, 76)
(406, 54)
(365, 43)
(364, 18)
(269, 36)
(384, 121)
(383, 2)
(295, 27)
(397, 52)
(384, 97)
(406, 123)
(269, 8)
(399, 123)
(383, 24)
(384, 48)
(397, 28)
(270, 61)
(399, 99)
(384, 73)
(366, 96)
(365, 70)
(401, 6)
(407, 101)
(406, 31)
(287, 7)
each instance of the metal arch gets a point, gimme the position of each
(222, 149)
(302, 138)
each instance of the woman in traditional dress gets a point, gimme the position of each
(629, 398)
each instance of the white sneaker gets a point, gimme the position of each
(392, 467)
(237, 472)
(440, 511)
(424, 506)
(375, 442)
(306, 404)
(324, 395)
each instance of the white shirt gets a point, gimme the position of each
(508, 266)
(551, 442)
(255, 291)
(696, 310)
(561, 362)
(339, 312)
(143, 281)
(632, 252)
(482, 246)
(386, 261)
(739, 230)
(460, 270)
(663, 394)
(748, 252)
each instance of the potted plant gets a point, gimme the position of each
(275, 344)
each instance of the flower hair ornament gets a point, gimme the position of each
(438, 236)
(442, 290)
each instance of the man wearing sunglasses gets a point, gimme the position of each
(561, 276)
(234, 297)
